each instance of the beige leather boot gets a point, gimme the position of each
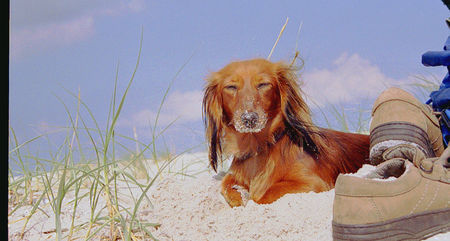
(407, 197)
(399, 118)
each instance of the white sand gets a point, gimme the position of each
(200, 213)
(193, 209)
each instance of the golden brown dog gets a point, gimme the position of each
(253, 111)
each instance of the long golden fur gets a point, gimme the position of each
(253, 111)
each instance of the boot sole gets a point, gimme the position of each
(411, 227)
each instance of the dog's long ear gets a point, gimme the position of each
(212, 117)
(297, 117)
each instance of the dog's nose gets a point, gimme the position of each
(249, 119)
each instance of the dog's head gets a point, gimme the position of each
(247, 96)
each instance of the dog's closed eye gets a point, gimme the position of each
(263, 85)
(231, 87)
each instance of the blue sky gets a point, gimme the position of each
(352, 51)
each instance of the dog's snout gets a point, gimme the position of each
(249, 119)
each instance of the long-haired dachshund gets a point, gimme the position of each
(254, 112)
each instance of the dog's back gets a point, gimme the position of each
(341, 152)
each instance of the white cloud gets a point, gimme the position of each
(188, 105)
(56, 34)
(40, 25)
(25, 13)
(184, 107)
(349, 80)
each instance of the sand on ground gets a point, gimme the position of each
(192, 209)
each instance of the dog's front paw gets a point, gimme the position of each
(232, 196)
(230, 192)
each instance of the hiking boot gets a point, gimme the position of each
(399, 118)
(405, 197)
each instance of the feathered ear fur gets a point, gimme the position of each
(297, 117)
(212, 117)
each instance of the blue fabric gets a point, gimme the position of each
(440, 99)
(445, 127)
(436, 58)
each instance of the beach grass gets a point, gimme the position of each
(68, 177)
